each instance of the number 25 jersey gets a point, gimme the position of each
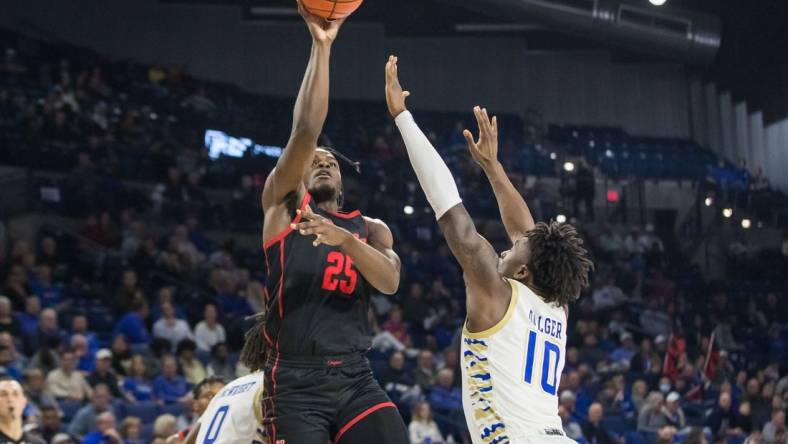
(511, 372)
(316, 299)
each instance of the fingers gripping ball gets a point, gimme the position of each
(332, 9)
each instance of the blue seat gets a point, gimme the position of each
(69, 408)
(637, 438)
(146, 434)
(147, 412)
(617, 424)
(173, 409)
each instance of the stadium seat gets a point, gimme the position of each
(617, 424)
(146, 411)
(175, 410)
(69, 408)
(146, 433)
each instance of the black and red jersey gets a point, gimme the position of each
(316, 299)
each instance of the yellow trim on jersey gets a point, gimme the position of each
(497, 327)
(257, 405)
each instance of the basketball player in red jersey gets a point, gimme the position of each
(322, 264)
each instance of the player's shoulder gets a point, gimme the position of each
(238, 386)
(256, 377)
(526, 295)
(374, 221)
(377, 227)
(253, 376)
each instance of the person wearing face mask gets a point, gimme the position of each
(664, 386)
(12, 403)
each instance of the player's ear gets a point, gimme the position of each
(522, 273)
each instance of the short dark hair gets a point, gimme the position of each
(558, 262)
(67, 350)
(184, 345)
(210, 380)
(341, 157)
(217, 346)
(159, 346)
(49, 408)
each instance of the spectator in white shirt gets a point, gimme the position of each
(208, 331)
(607, 296)
(171, 328)
(65, 382)
(422, 426)
(655, 321)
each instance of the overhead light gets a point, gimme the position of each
(553, 156)
(408, 210)
(498, 27)
(282, 11)
(560, 218)
(727, 212)
(657, 2)
(609, 154)
(746, 223)
(708, 201)
(569, 166)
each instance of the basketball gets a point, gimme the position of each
(332, 9)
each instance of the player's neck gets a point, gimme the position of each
(11, 427)
(330, 206)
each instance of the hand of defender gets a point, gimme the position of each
(324, 230)
(485, 150)
(395, 96)
(321, 29)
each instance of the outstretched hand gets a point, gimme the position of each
(324, 230)
(322, 30)
(485, 150)
(395, 96)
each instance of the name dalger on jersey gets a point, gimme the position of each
(546, 325)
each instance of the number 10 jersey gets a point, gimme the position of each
(316, 299)
(511, 372)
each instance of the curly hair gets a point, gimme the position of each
(253, 353)
(558, 262)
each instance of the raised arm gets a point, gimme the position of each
(488, 292)
(515, 214)
(309, 115)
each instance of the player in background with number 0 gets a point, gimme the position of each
(514, 337)
(232, 413)
(321, 266)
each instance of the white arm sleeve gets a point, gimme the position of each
(433, 174)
